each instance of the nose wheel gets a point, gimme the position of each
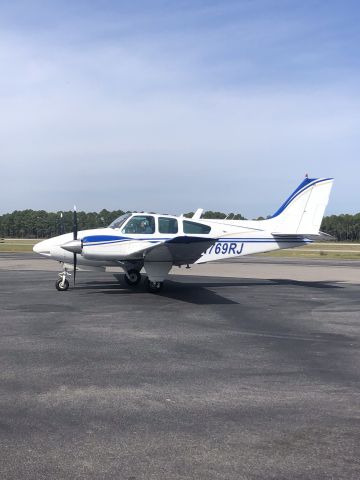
(132, 277)
(154, 287)
(62, 283)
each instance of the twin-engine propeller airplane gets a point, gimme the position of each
(155, 243)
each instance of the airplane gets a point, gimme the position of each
(157, 242)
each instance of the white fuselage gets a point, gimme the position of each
(157, 242)
(109, 246)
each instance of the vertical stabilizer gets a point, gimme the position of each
(303, 211)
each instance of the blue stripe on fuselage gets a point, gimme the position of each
(111, 239)
(108, 239)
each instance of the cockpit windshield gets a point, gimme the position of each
(120, 221)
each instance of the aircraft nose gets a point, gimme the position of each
(42, 248)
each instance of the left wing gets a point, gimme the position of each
(179, 250)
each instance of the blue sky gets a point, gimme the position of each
(173, 105)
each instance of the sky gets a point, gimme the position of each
(173, 105)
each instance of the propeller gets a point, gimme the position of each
(61, 224)
(75, 234)
(75, 245)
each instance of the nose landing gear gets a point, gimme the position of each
(62, 284)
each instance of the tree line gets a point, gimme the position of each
(344, 227)
(42, 224)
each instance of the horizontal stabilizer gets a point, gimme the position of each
(322, 237)
(318, 237)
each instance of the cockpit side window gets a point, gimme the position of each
(120, 221)
(168, 225)
(140, 224)
(195, 228)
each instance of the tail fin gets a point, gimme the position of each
(303, 211)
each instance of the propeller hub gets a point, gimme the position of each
(74, 246)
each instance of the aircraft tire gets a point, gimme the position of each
(62, 287)
(154, 287)
(132, 278)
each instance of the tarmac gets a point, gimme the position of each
(248, 370)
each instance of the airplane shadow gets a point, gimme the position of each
(201, 292)
(226, 282)
(198, 290)
(189, 293)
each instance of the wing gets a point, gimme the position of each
(179, 250)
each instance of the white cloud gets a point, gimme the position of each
(124, 125)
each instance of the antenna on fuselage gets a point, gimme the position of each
(197, 214)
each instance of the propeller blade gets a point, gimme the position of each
(75, 234)
(74, 263)
(75, 224)
(62, 228)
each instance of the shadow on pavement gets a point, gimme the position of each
(198, 290)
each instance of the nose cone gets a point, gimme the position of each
(42, 248)
(74, 246)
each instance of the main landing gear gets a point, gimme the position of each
(132, 277)
(154, 287)
(62, 284)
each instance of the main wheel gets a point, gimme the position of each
(62, 285)
(154, 287)
(132, 278)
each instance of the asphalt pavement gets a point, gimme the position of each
(215, 378)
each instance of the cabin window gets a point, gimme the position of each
(168, 225)
(140, 224)
(120, 221)
(195, 228)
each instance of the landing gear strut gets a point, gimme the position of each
(132, 277)
(154, 287)
(62, 284)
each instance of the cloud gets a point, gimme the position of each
(109, 117)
